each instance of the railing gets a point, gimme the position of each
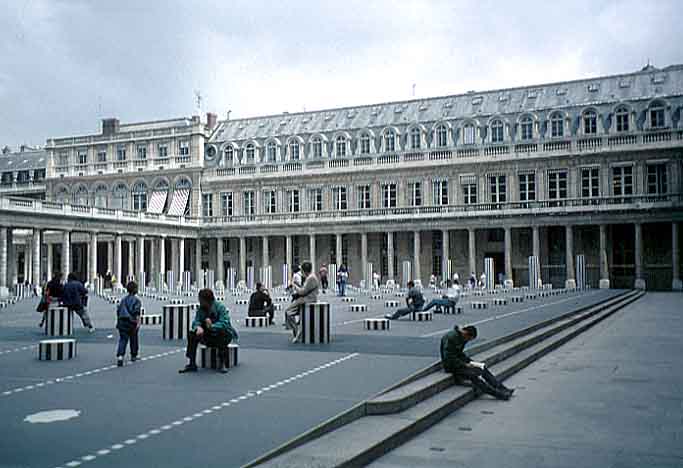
(334, 163)
(496, 150)
(292, 167)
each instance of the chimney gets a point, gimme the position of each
(195, 119)
(211, 120)
(110, 126)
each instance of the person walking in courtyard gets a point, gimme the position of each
(342, 278)
(75, 299)
(303, 295)
(128, 324)
(322, 274)
(456, 362)
(414, 303)
(212, 328)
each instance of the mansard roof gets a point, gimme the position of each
(23, 160)
(647, 83)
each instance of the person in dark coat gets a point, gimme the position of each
(456, 362)
(52, 294)
(414, 303)
(261, 304)
(75, 297)
(128, 323)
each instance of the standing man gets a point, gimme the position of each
(302, 295)
(128, 323)
(414, 302)
(456, 362)
(76, 298)
(211, 327)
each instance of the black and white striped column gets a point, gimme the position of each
(256, 322)
(59, 322)
(315, 323)
(580, 272)
(209, 358)
(177, 322)
(57, 350)
(377, 324)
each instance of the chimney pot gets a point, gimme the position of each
(211, 120)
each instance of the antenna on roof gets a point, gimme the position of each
(198, 100)
(414, 89)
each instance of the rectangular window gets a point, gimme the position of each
(557, 185)
(121, 153)
(63, 159)
(656, 179)
(315, 199)
(363, 194)
(469, 189)
(468, 134)
(622, 180)
(226, 204)
(102, 155)
(415, 193)
(339, 198)
(184, 148)
(248, 203)
(269, 202)
(497, 188)
(657, 118)
(440, 192)
(82, 157)
(207, 205)
(163, 150)
(38, 174)
(293, 201)
(389, 195)
(622, 122)
(142, 152)
(590, 182)
(527, 187)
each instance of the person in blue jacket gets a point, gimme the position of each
(128, 323)
(75, 297)
(211, 327)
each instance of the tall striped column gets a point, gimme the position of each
(285, 275)
(332, 274)
(534, 272)
(406, 273)
(391, 273)
(445, 255)
(117, 260)
(311, 251)
(472, 240)
(581, 271)
(489, 271)
(416, 255)
(250, 277)
(66, 253)
(569, 257)
(37, 235)
(3, 261)
(243, 259)
(162, 263)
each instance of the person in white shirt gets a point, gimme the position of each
(450, 299)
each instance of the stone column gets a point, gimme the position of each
(131, 259)
(311, 250)
(509, 280)
(110, 256)
(266, 251)
(569, 257)
(181, 257)
(93, 257)
(162, 257)
(243, 258)
(48, 262)
(4, 262)
(117, 259)
(219, 260)
(35, 271)
(152, 261)
(198, 261)
(364, 257)
(288, 251)
(416, 256)
(390, 256)
(140, 244)
(604, 266)
(640, 280)
(66, 254)
(472, 241)
(338, 250)
(174, 258)
(445, 253)
(536, 248)
(676, 284)
(11, 259)
(28, 258)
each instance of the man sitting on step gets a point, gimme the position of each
(211, 327)
(414, 302)
(456, 362)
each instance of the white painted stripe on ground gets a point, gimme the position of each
(80, 374)
(250, 394)
(509, 314)
(23, 348)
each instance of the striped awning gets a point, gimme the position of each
(157, 202)
(178, 202)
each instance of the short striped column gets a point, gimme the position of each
(516, 299)
(241, 301)
(422, 316)
(151, 319)
(210, 358)
(358, 307)
(391, 303)
(59, 322)
(57, 350)
(499, 301)
(177, 301)
(348, 299)
(251, 284)
(177, 320)
(376, 297)
(374, 324)
(479, 305)
(256, 322)
(315, 322)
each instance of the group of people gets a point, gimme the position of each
(73, 295)
(415, 301)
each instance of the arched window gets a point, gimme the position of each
(119, 200)
(441, 136)
(365, 144)
(317, 148)
(340, 146)
(183, 183)
(139, 193)
(250, 153)
(656, 113)
(100, 196)
(271, 152)
(229, 155)
(526, 128)
(622, 122)
(81, 196)
(62, 195)
(468, 137)
(556, 125)
(590, 123)
(389, 140)
(497, 131)
(294, 150)
(415, 138)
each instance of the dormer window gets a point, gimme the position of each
(556, 125)
(415, 138)
(441, 136)
(497, 131)
(229, 155)
(365, 144)
(250, 153)
(340, 149)
(317, 148)
(294, 150)
(656, 115)
(590, 123)
(271, 151)
(390, 141)
(526, 126)
(621, 116)
(468, 134)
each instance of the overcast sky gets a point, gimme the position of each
(66, 64)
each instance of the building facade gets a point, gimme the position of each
(415, 188)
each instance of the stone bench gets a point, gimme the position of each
(57, 349)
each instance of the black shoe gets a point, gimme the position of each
(133, 358)
(502, 395)
(119, 361)
(188, 368)
(222, 370)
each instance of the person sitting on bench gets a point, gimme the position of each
(211, 327)
(260, 304)
(450, 299)
(456, 362)
(414, 302)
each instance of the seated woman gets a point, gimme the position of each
(450, 299)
